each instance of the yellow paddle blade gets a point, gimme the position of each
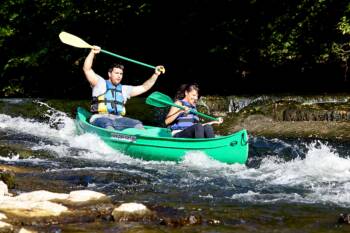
(72, 40)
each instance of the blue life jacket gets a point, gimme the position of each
(184, 120)
(112, 101)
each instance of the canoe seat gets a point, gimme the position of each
(149, 131)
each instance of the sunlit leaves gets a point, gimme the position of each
(4, 33)
(344, 25)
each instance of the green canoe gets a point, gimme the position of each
(155, 143)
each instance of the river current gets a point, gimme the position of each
(287, 185)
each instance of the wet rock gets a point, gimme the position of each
(2, 216)
(318, 117)
(344, 218)
(85, 197)
(176, 218)
(211, 104)
(5, 227)
(214, 222)
(74, 198)
(8, 177)
(42, 208)
(17, 169)
(132, 212)
(24, 230)
(315, 115)
(31, 209)
(104, 211)
(41, 195)
(11, 148)
(3, 189)
(193, 220)
(86, 214)
(261, 125)
(180, 221)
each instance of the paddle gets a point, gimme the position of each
(160, 100)
(75, 41)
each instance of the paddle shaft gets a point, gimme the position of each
(161, 100)
(128, 59)
(195, 112)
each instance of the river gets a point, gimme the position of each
(287, 185)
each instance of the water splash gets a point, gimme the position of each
(309, 173)
(322, 176)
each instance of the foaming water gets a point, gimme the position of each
(321, 164)
(278, 171)
(16, 158)
(200, 160)
(62, 140)
(323, 176)
(33, 127)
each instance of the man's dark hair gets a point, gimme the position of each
(119, 66)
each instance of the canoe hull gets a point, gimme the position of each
(156, 143)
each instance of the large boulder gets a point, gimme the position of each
(132, 212)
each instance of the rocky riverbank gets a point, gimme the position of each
(46, 211)
(288, 117)
(324, 117)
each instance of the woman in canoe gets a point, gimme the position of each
(185, 124)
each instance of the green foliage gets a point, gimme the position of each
(299, 33)
(4, 33)
(344, 25)
(241, 37)
(12, 90)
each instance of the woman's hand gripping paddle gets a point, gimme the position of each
(161, 100)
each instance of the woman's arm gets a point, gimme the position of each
(174, 113)
(215, 122)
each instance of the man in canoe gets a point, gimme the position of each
(185, 124)
(109, 96)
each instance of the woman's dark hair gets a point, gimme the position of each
(115, 65)
(180, 94)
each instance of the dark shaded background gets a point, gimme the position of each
(227, 47)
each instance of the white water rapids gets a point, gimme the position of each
(320, 176)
